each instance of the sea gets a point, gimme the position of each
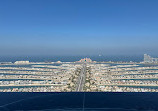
(71, 58)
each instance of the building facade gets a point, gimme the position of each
(149, 59)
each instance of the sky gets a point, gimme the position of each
(78, 27)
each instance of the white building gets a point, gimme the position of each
(22, 62)
(149, 59)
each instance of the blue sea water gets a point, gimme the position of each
(70, 58)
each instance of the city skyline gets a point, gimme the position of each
(78, 27)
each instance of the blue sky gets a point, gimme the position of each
(78, 27)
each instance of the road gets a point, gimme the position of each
(81, 79)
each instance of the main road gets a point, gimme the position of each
(81, 79)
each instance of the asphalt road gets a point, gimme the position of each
(81, 79)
